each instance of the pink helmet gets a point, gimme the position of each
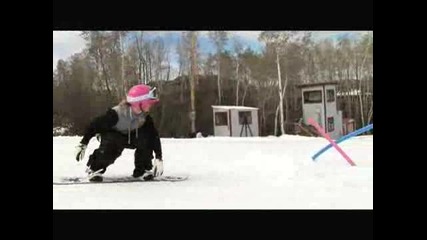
(141, 96)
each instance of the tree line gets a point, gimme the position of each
(90, 81)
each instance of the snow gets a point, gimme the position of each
(59, 130)
(228, 173)
(234, 107)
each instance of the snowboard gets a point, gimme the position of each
(85, 180)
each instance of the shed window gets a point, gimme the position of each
(313, 96)
(331, 124)
(221, 119)
(331, 95)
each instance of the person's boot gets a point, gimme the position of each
(94, 176)
(146, 175)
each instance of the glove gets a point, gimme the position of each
(98, 137)
(158, 167)
(80, 151)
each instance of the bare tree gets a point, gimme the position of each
(193, 77)
(219, 38)
(122, 39)
(149, 60)
(159, 55)
(97, 44)
(307, 53)
(365, 45)
(208, 65)
(278, 40)
(346, 56)
(245, 90)
(238, 47)
(163, 106)
(183, 50)
(168, 66)
(141, 63)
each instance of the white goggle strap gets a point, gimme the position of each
(150, 95)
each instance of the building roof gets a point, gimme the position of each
(317, 84)
(233, 107)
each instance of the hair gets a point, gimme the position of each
(124, 102)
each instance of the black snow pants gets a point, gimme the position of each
(112, 145)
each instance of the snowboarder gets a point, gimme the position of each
(126, 125)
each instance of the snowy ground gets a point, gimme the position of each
(228, 173)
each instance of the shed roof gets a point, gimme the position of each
(234, 107)
(317, 84)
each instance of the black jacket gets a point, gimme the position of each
(106, 122)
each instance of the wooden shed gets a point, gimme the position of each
(319, 102)
(235, 121)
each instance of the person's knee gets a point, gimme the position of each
(107, 153)
(112, 153)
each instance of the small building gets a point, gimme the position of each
(319, 103)
(235, 121)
